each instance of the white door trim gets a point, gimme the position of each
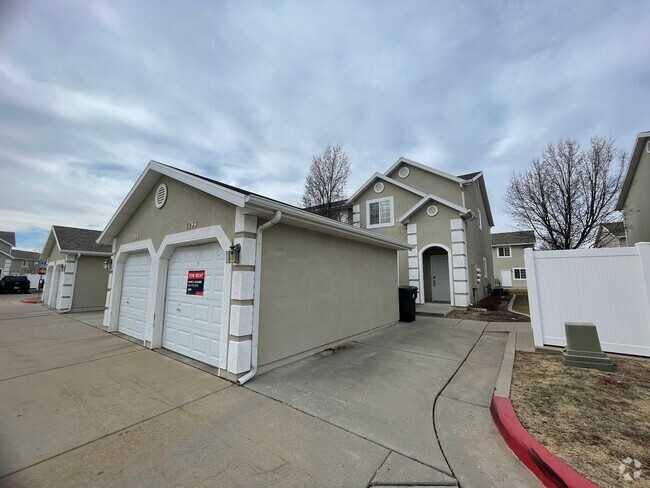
(203, 235)
(421, 270)
(118, 276)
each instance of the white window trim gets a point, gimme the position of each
(25, 263)
(480, 219)
(514, 275)
(392, 213)
(509, 252)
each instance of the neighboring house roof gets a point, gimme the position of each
(338, 205)
(258, 204)
(427, 198)
(470, 176)
(616, 228)
(75, 240)
(25, 255)
(517, 238)
(385, 178)
(641, 141)
(8, 237)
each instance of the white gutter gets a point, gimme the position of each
(256, 302)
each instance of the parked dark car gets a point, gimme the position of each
(14, 284)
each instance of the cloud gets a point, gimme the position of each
(248, 92)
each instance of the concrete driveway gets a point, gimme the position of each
(81, 407)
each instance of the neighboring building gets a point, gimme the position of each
(15, 261)
(611, 234)
(508, 256)
(309, 284)
(446, 218)
(75, 279)
(338, 210)
(634, 200)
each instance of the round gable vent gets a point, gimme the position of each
(379, 187)
(403, 172)
(432, 210)
(161, 195)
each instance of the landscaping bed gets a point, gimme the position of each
(591, 420)
(497, 311)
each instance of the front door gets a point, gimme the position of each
(506, 277)
(440, 278)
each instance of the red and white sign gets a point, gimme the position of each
(41, 271)
(195, 281)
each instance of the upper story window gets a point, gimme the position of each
(379, 212)
(504, 252)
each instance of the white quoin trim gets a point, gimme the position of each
(160, 265)
(112, 315)
(451, 275)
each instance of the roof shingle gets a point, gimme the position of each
(26, 255)
(83, 240)
(518, 237)
(9, 237)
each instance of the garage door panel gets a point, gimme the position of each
(193, 322)
(135, 295)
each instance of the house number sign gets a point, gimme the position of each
(195, 281)
(191, 224)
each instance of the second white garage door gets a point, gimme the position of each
(135, 295)
(193, 313)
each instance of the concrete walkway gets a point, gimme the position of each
(80, 407)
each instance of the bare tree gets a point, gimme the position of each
(326, 181)
(568, 192)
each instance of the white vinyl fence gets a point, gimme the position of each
(609, 287)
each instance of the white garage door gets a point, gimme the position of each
(195, 282)
(135, 295)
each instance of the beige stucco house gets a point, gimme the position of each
(508, 257)
(446, 218)
(239, 281)
(15, 261)
(611, 234)
(75, 278)
(634, 200)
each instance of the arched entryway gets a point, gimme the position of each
(435, 280)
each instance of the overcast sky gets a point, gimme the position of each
(246, 92)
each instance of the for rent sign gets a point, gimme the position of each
(195, 280)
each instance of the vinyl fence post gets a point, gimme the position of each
(644, 259)
(533, 297)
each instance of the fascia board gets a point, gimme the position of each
(423, 167)
(210, 188)
(387, 180)
(435, 198)
(631, 170)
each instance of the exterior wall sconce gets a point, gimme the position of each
(108, 263)
(232, 256)
(63, 268)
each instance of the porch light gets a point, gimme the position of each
(108, 263)
(232, 256)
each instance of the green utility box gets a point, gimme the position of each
(583, 347)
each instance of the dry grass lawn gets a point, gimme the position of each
(590, 419)
(521, 303)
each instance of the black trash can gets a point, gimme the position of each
(407, 296)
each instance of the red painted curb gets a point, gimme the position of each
(27, 300)
(552, 472)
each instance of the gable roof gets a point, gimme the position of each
(616, 228)
(517, 238)
(25, 255)
(8, 237)
(388, 180)
(641, 141)
(258, 205)
(427, 198)
(74, 240)
(461, 180)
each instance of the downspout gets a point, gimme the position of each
(256, 296)
(74, 276)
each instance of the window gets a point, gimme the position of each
(504, 252)
(480, 219)
(379, 212)
(25, 264)
(520, 273)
